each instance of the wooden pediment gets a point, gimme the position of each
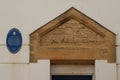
(72, 36)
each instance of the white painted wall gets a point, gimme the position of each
(14, 72)
(40, 70)
(21, 57)
(105, 71)
(118, 72)
(29, 15)
(118, 54)
(32, 71)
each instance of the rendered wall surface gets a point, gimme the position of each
(32, 71)
(14, 72)
(118, 72)
(118, 62)
(25, 14)
(118, 54)
(29, 15)
(21, 57)
(105, 71)
(40, 70)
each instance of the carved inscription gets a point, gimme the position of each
(72, 36)
(70, 33)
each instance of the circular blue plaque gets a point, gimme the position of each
(14, 40)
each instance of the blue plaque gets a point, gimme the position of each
(14, 40)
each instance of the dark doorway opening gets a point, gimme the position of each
(71, 77)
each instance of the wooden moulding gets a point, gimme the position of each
(72, 36)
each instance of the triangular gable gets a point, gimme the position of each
(75, 35)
